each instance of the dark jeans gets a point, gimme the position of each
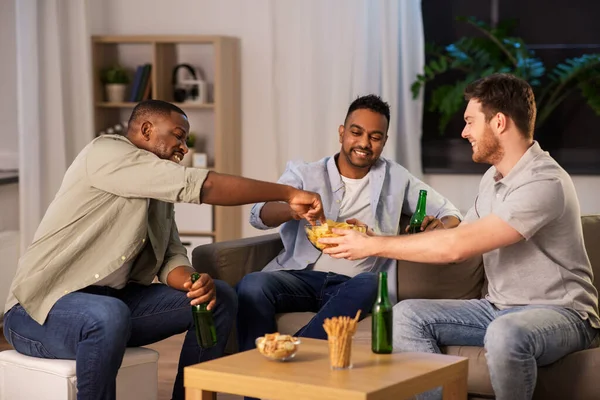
(264, 294)
(95, 325)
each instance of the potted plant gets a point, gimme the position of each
(188, 158)
(498, 51)
(115, 80)
(451, 68)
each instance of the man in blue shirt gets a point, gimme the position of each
(355, 184)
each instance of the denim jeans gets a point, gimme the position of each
(95, 325)
(516, 340)
(263, 294)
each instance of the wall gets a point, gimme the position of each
(9, 194)
(8, 73)
(249, 21)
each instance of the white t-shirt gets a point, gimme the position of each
(356, 203)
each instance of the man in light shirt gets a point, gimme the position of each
(83, 289)
(541, 304)
(355, 184)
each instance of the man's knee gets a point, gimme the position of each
(507, 334)
(252, 287)
(411, 310)
(110, 317)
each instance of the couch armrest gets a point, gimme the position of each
(231, 260)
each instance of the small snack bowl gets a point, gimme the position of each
(314, 233)
(277, 347)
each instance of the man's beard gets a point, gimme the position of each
(489, 149)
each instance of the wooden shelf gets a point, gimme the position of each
(201, 234)
(220, 57)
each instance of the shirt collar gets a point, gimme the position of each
(521, 165)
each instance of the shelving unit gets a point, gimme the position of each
(216, 123)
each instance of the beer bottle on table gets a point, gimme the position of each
(417, 218)
(206, 332)
(381, 328)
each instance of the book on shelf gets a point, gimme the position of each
(142, 83)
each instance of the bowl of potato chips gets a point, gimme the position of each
(276, 346)
(316, 232)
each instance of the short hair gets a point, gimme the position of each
(370, 102)
(507, 94)
(147, 107)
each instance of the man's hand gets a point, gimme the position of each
(429, 224)
(306, 205)
(356, 222)
(351, 244)
(202, 291)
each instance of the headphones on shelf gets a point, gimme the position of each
(180, 94)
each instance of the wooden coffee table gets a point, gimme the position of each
(308, 375)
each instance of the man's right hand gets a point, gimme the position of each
(306, 205)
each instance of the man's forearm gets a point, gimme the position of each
(274, 214)
(228, 190)
(436, 247)
(179, 276)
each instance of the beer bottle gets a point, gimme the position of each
(381, 328)
(206, 332)
(417, 218)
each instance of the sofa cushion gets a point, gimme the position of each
(479, 377)
(462, 280)
(591, 235)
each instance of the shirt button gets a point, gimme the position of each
(143, 240)
(123, 258)
(337, 201)
(66, 291)
(96, 276)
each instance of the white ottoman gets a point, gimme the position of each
(25, 378)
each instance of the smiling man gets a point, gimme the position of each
(541, 304)
(355, 184)
(83, 289)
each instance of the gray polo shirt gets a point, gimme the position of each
(550, 267)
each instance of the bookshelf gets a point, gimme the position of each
(216, 122)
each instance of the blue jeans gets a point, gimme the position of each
(95, 325)
(263, 294)
(516, 340)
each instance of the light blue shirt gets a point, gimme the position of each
(394, 191)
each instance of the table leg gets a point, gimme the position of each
(199, 394)
(456, 390)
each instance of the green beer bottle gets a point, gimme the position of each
(381, 328)
(417, 218)
(206, 332)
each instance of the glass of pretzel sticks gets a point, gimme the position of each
(340, 331)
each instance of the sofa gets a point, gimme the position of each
(574, 377)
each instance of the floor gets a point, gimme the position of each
(167, 365)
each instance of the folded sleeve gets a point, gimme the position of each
(291, 177)
(175, 256)
(124, 170)
(531, 206)
(437, 205)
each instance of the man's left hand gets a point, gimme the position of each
(351, 244)
(429, 224)
(202, 291)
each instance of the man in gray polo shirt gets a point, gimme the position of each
(541, 304)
